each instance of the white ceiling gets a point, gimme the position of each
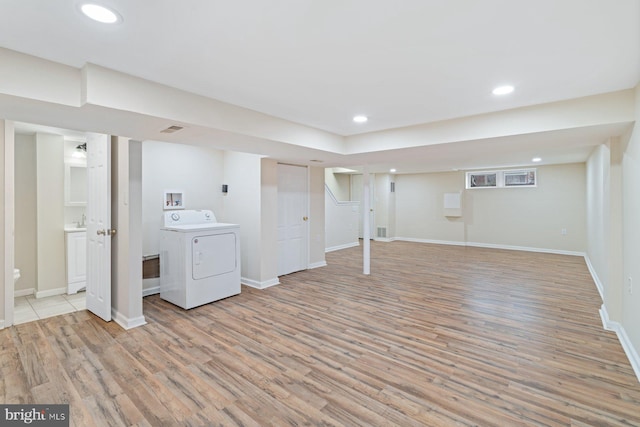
(320, 62)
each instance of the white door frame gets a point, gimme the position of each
(9, 220)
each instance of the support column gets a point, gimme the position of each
(126, 245)
(366, 227)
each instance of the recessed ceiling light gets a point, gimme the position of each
(360, 119)
(100, 13)
(536, 159)
(502, 90)
(392, 170)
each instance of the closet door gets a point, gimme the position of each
(293, 219)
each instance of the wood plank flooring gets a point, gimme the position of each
(436, 336)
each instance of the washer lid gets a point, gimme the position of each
(187, 228)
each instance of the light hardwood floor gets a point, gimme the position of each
(436, 336)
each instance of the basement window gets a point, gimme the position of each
(501, 178)
(482, 179)
(523, 178)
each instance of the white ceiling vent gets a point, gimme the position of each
(172, 129)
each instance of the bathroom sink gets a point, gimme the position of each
(71, 228)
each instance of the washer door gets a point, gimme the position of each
(213, 255)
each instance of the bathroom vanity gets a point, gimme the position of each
(76, 253)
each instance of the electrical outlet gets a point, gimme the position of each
(563, 231)
(630, 284)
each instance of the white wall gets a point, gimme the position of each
(339, 184)
(631, 235)
(50, 204)
(532, 217)
(7, 138)
(316, 217)
(341, 222)
(520, 217)
(242, 206)
(197, 171)
(419, 207)
(126, 245)
(597, 215)
(384, 205)
(268, 257)
(26, 245)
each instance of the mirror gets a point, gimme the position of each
(75, 185)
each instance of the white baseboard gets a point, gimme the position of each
(595, 277)
(51, 292)
(23, 292)
(627, 346)
(317, 265)
(2, 324)
(260, 285)
(436, 242)
(125, 322)
(345, 246)
(490, 246)
(150, 286)
(525, 249)
(383, 239)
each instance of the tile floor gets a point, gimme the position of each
(29, 308)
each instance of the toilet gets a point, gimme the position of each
(16, 275)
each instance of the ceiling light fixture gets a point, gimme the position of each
(80, 152)
(536, 159)
(360, 119)
(100, 13)
(392, 170)
(503, 90)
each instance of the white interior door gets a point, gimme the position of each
(99, 226)
(356, 195)
(292, 219)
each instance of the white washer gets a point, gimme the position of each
(199, 258)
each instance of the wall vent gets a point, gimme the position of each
(382, 232)
(393, 187)
(172, 129)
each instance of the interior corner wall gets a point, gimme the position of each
(242, 205)
(50, 201)
(316, 217)
(195, 170)
(26, 211)
(630, 320)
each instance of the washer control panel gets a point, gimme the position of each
(187, 217)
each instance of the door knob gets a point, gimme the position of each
(305, 218)
(110, 232)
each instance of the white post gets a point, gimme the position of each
(366, 228)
